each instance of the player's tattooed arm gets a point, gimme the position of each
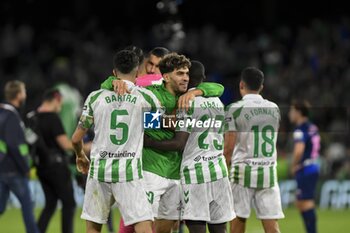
(177, 143)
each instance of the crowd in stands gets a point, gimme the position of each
(311, 61)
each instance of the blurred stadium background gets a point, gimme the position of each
(303, 49)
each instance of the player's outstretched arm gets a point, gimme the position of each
(108, 83)
(177, 143)
(206, 89)
(211, 89)
(115, 84)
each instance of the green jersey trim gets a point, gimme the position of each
(92, 100)
(115, 170)
(223, 167)
(212, 171)
(92, 167)
(139, 168)
(129, 175)
(149, 100)
(272, 176)
(187, 176)
(247, 172)
(101, 170)
(236, 174)
(199, 173)
(237, 113)
(265, 176)
(260, 177)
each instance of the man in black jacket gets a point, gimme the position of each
(14, 167)
(52, 167)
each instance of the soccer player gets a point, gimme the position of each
(145, 79)
(115, 170)
(304, 165)
(251, 142)
(153, 58)
(206, 189)
(148, 73)
(162, 168)
(149, 70)
(139, 53)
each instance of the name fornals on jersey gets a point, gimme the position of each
(254, 112)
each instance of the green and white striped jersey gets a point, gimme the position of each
(117, 146)
(254, 159)
(202, 158)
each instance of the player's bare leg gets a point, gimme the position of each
(270, 226)
(238, 225)
(217, 228)
(196, 226)
(92, 227)
(143, 227)
(125, 229)
(164, 225)
(304, 205)
(176, 227)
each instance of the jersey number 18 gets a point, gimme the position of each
(267, 134)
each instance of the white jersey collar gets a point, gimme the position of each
(252, 97)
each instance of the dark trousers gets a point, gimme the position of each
(19, 185)
(57, 184)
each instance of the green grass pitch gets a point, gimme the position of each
(329, 221)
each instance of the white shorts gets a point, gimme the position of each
(164, 195)
(266, 202)
(130, 198)
(211, 202)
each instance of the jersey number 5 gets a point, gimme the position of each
(119, 125)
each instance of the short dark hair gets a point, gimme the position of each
(173, 61)
(51, 94)
(302, 106)
(159, 52)
(253, 78)
(125, 61)
(196, 73)
(138, 51)
(12, 88)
